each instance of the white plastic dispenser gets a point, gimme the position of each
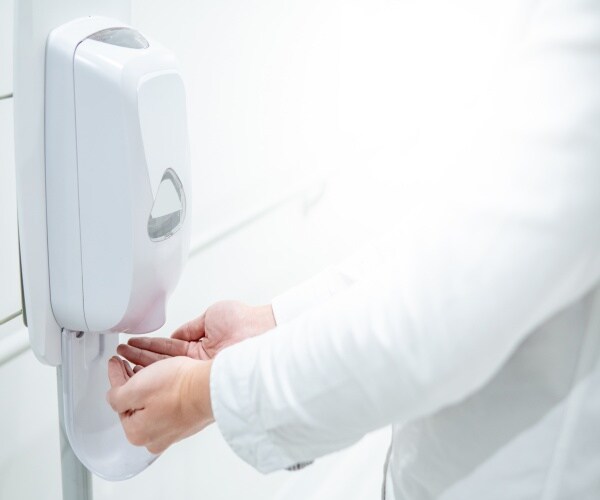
(117, 217)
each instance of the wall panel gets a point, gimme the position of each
(10, 288)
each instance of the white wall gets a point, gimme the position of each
(262, 78)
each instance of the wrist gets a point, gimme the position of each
(198, 393)
(264, 318)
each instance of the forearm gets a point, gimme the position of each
(263, 318)
(398, 346)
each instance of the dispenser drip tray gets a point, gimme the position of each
(93, 428)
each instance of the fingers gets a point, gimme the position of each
(139, 356)
(156, 447)
(117, 374)
(200, 351)
(122, 400)
(119, 398)
(143, 351)
(128, 369)
(134, 427)
(170, 347)
(191, 331)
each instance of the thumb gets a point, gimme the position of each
(118, 376)
(191, 331)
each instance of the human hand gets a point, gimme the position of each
(223, 324)
(162, 404)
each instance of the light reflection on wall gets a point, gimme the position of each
(379, 95)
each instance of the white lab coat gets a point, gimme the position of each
(474, 326)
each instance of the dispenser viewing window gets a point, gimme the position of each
(168, 209)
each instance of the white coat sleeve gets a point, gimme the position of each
(515, 240)
(333, 280)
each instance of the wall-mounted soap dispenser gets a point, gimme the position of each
(117, 206)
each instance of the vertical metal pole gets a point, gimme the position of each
(76, 479)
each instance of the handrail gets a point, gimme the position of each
(10, 317)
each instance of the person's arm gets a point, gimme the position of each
(461, 287)
(329, 282)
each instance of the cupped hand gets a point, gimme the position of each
(223, 324)
(162, 404)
